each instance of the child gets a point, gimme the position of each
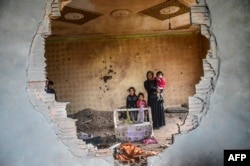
(161, 82)
(141, 103)
(131, 103)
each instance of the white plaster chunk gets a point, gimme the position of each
(90, 146)
(204, 84)
(73, 136)
(80, 143)
(202, 96)
(213, 46)
(59, 105)
(55, 117)
(209, 73)
(191, 121)
(193, 100)
(201, 91)
(58, 113)
(67, 134)
(66, 141)
(196, 106)
(195, 113)
(47, 97)
(199, 9)
(186, 129)
(44, 28)
(67, 128)
(214, 62)
(195, 110)
(33, 98)
(66, 121)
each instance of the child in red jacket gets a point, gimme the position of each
(161, 81)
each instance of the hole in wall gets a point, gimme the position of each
(87, 70)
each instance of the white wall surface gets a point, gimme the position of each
(28, 139)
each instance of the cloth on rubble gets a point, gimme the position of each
(150, 140)
(132, 153)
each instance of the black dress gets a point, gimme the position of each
(150, 87)
(131, 103)
(156, 105)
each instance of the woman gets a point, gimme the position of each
(154, 102)
(149, 84)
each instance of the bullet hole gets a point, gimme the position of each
(107, 89)
(105, 67)
(104, 91)
(110, 71)
(103, 61)
(106, 78)
(110, 57)
(100, 88)
(137, 53)
(181, 72)
(110, 66)
(114, 72)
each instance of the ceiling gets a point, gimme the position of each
(112, 17)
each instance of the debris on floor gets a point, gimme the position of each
(128, 153)
(97, 130)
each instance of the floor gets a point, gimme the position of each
(100, 126)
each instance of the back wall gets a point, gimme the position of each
(96, 72)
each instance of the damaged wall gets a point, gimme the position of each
(96, 72)
(27, 138)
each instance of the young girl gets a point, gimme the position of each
(131, 103)
(141, 103)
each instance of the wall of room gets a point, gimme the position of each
(96, 72)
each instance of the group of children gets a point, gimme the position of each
(138, 101)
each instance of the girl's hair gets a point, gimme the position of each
(150, 72)
(140, 94)
(159, 72)
(131, 88)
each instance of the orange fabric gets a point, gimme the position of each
(132, 153)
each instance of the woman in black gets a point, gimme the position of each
(149, 84)
(154, 102)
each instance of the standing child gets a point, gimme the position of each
(141, 103)
(131, 103)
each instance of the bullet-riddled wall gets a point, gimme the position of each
(96, 72)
